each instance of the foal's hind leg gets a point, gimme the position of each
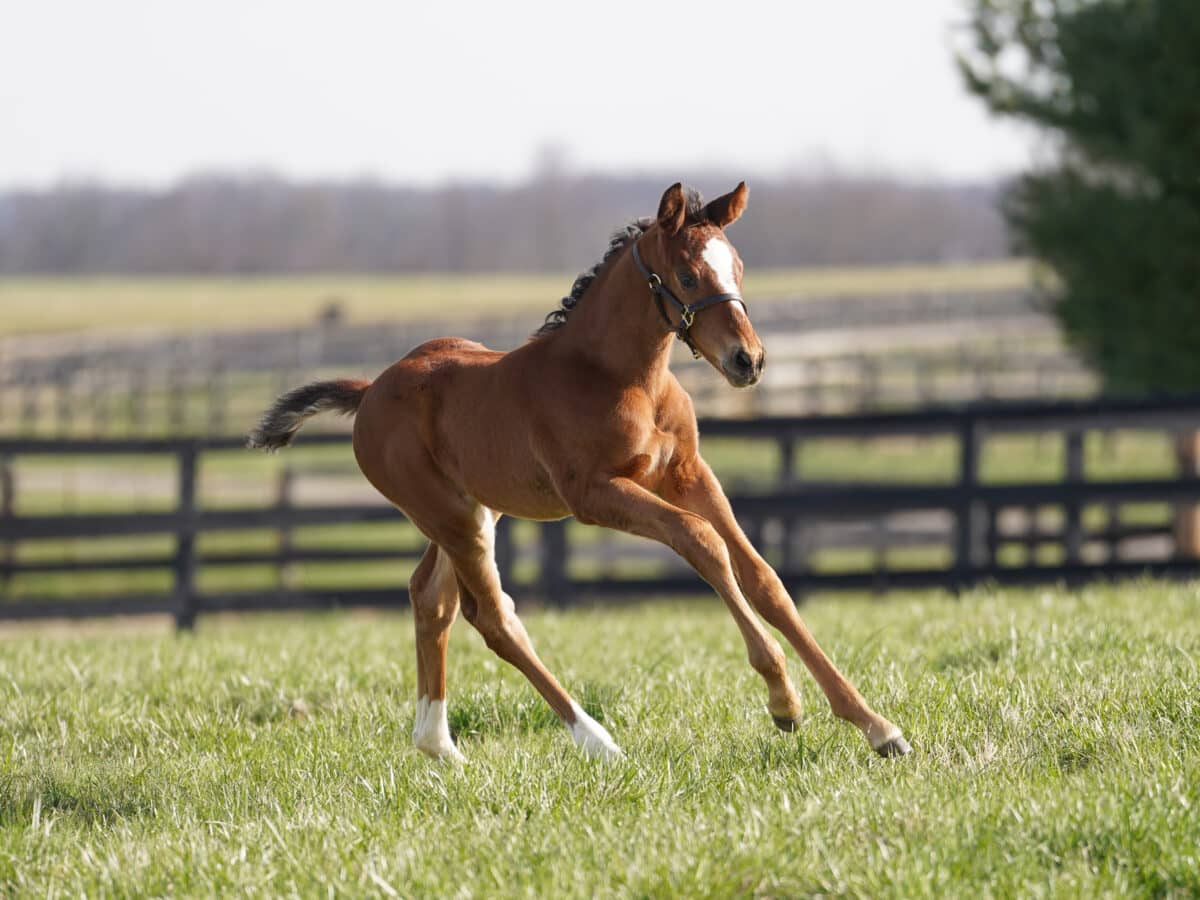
(433, 591)
(491, 611)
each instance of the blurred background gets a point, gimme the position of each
(970, 250)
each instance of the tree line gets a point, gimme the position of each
(246, 224)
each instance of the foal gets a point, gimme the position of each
(587, 420)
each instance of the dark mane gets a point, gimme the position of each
(620, 238)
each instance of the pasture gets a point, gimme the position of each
(42, 305)
(1057, 740)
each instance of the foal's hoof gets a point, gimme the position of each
(897, 746)
(783, 723)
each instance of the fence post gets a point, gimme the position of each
(30, 404)
(967, 521)
(218, 401)
(1073, 531)
(1187, 513)
(185, 548)
(504, 549)
(176, 399)
(787, 459)
(283, 502)
(554, 563)
(7, 504)
(98, 398)
(137, 400)
(63, 410)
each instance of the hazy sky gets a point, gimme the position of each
(143, 92)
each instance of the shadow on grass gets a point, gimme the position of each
(977, 655)
(91, 798)
(493, 714)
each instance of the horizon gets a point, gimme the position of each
(140, 95)
(828, 177)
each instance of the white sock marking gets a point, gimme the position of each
(890, 735)
(592, 737)
(432, 732)
(419, 720)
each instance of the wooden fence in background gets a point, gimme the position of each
(834, 355)
(973, 521)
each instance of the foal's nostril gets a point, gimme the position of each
(743, 361)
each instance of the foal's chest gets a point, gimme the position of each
(648, 465)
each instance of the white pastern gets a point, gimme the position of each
(880, 738)
(591, 737)
(432, 734)
(419, 721)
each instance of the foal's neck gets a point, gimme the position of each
(618, 328)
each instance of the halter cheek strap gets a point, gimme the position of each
(687, 311)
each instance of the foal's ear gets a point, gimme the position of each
(728, 209)
(672, 209)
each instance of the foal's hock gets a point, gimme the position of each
(584, 420)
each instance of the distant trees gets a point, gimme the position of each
(556, 221)
(1117, 217)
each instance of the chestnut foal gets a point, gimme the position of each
(587, 420)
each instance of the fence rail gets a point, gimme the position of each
(973, 524)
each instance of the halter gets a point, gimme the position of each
(687, 311)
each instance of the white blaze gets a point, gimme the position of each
(719, 257)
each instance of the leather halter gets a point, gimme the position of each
(687, 311)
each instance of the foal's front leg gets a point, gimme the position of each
(694, 487)
(626, 506)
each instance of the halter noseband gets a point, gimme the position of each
(687, 311)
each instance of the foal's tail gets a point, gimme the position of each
(280, 423)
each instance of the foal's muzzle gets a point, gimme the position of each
(743, 368)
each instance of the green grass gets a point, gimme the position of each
(1057, 742)
(33, 305)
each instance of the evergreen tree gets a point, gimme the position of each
(1117, 217)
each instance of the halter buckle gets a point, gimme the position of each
(655, 283)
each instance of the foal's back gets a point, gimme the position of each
(454, 414)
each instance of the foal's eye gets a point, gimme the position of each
(688, 280)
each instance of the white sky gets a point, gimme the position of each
(143, 92)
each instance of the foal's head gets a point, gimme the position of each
(695, 261)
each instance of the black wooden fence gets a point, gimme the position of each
(781, 520)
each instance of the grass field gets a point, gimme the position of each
(1057, 742)
(32, 305)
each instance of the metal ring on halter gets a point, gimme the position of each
(687, 312)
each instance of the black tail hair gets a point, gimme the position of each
(281, 422)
